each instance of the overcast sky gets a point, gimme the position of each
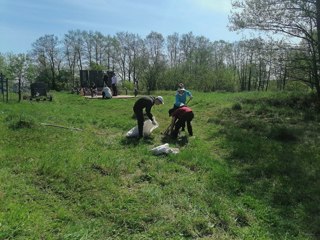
(22, 22)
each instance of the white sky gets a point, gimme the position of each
(22, 22)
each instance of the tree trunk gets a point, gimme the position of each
(19, 90)
(284, 81)
(318, 43)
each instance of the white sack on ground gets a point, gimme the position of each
(106, 93)
(148, 127)
(164, 149)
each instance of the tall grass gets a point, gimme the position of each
(250, 172)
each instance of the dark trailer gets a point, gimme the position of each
(39, 91)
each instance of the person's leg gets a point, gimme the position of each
(189, 126)
(140, 120)
(115, 90)
(183, 126)
(177, 126)
(189, 118)
(174, 133)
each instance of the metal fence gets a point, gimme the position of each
(4, 88)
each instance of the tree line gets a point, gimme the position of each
(298, 19)
(159, 62)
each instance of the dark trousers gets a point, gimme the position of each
(114, 90)
(140, 120)
(185, 118)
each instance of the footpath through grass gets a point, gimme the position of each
(252, 170)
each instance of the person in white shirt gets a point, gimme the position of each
(114, 84)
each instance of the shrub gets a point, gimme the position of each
(236, 106)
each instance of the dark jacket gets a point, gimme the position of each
(144, 102)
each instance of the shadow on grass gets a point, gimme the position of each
(133, 141)
(275, 166)
(180, 141)
(130, 141)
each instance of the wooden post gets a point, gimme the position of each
(1, 80)
(19, 90)
(7, 89)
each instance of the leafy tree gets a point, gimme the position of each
(294, 18)
(47, 55)
(21, 71)
(187, 47)
(110, 43)
(73, 49)
(127, 53)
(96, 66)
(173, 49)
(3, 64)
(154, 44)
(62, 81)
(88, 45)
(16, 65)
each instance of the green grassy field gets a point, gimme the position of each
(251, 170)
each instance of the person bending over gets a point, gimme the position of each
(180, 117)
(145, 103)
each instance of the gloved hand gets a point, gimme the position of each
(191, 97)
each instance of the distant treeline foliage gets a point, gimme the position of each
(159, 63)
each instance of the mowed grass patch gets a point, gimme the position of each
(250, 172)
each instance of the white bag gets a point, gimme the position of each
(164, 149)
(106, 93)
(148, 127)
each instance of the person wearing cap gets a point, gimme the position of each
(180, 117)
(181, 97)
(145, 103)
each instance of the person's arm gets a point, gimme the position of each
(148, 111)
(189, 94)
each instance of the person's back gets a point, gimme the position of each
(181, 111)
(181, 116)
(114, 79)
(145, 103)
